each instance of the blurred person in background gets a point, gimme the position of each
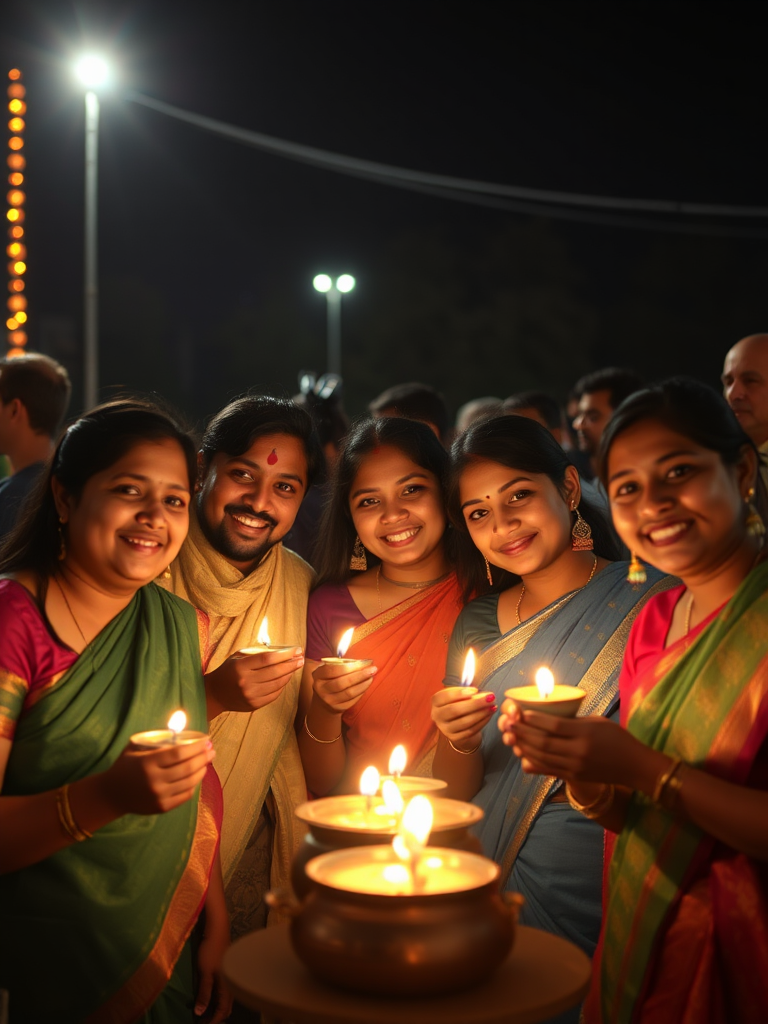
(599, 394)
(745, 386)
(322, 399)
(34, 395)
(476, 409)
(414, 402)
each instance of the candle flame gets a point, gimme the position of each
(262, 637)
(345, 641)
(369, 781)
(468, 675)
(393, 798)
(545, 681)
(177, 721)
(397, 761)
(417, 821)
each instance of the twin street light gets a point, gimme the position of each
(333, 292)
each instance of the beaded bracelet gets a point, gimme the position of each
(460, 751)
(317, 738)
(599, 805)
(68, 823)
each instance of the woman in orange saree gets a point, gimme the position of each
(386, 510)
(685, 785)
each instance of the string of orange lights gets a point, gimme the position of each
(16, 250)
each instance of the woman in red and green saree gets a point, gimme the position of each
(108, 854)
(386, 521)
(683, 781)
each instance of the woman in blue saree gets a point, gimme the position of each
(559, 601)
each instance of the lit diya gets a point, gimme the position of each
(409, 785)
(368, 819)
(351, 664)
(263, 642)
(404, 919)
(546, 696)
(175, 735)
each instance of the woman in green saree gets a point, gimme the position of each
(684, 782)
(107, 852)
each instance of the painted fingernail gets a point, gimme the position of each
(209, 745)
(490, 697)
(494, 708)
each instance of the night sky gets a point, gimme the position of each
(208, 247)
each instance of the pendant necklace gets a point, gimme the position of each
(418, 585)
(520, 599)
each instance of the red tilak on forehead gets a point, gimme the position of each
(272, 457)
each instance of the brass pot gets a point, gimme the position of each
(450, 934)
(331, 827)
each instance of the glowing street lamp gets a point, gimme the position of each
(333, 292)
(93, 73)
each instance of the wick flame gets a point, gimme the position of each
(397, 761)
(414, 828)
(545, 681)
(263, 635)
(393, 798)
(468, 675)
(177, 721)
(345, 641)
(369, 781)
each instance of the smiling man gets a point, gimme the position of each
(745, 386)
(258, 457)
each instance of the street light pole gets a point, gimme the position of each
(92, 72)
(333, 292)
(333, 296)
(91, 296)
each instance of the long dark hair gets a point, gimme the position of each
(691, 409)
(337, 533)
(90, 445)
(523, 444)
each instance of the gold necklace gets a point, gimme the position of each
(69, 608)
(420, 585)
(520, 599)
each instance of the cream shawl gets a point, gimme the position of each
(254, 750)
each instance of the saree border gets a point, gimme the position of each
(146, 984)
(367, 628)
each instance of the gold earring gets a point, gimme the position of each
(62, 543)
(581, 534)
(358, 562)
(636, 572)
(167, 573)
(755, 525)
(488, 571)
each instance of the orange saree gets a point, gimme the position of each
(408, 645)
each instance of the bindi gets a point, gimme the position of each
(272, 457)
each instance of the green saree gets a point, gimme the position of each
(93, 933)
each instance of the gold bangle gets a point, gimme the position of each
(602, 803)
(460, 751)
(68, 823)
(317, 738)
(665, 779)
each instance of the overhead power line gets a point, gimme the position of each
(568, 205)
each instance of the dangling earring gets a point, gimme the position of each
(358, 562)
(62, 544)
(581, 533)
(167, 573)
(636, 573)
(488, 571)
(755, 524)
